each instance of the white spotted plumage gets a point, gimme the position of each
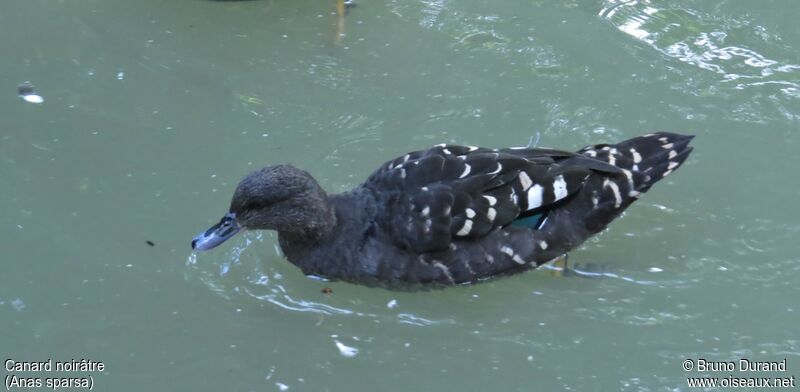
(499, 168)
(543, 245)
(468, 267)
(525, 181)
(491, 213)
(466, 228)
(636, 156)
(535, 195)
(559, 188)
(444, 269)
(615, 189)
(470, 213)
(467, 169)
(629, 176)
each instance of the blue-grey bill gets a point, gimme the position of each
(217, 234)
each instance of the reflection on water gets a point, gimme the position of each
(329, 71)
(706, 41)
(476, 30)
(632, 24)
(240, 274)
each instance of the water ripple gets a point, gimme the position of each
(709, 42)
(241, 276)
(471, 30)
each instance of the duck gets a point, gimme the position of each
(450, 214)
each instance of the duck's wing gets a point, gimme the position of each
(432, 199)
(471, 213)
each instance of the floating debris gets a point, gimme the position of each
(26, 92)
(33, 98)
(151, 243)
(18, 305)
(327, 290)
(392, 304)
(346, 351)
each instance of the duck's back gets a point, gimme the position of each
(455, 214)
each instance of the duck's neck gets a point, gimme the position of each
(317, 226)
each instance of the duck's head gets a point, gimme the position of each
(282, 198)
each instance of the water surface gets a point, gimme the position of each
(153, 111)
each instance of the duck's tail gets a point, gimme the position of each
(654, 156)
(620, 174)
(643, 161)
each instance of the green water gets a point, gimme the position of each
(154, 110)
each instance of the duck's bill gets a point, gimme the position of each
(217, 234)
